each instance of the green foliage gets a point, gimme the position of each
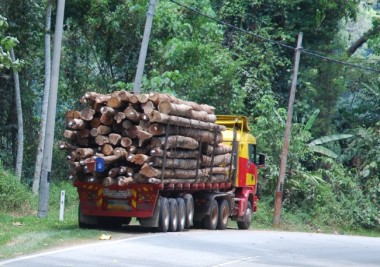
(315, 144)
(6, 44)
(71, 194)
(15, 197)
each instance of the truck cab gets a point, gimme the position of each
(246, 165)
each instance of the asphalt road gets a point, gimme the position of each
(215, 249)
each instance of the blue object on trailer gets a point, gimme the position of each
(99, 165)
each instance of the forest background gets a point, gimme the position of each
(332, 176)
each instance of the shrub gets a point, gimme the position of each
(15, 196)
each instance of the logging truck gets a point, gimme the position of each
(169, 163)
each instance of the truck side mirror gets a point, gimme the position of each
(261, 159)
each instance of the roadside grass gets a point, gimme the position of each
(22, 232)
(301, 222)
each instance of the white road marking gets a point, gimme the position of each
(247, 259)
(2, 263)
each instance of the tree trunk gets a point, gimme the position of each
(175, 153)
(103, 130)
(142, 136)
(72, 135)
(126, 142)
(364, 38)
(66, 146)
(218, 160)
(175, 141)
(156, 116)
(132, 114)
(114, 102)
(120, 152)
(20, 127)
(219, 149)
(72, 114)
(108, 181)
(84, 152)
(87, 114)
(143, 98)
(148, 107)
(123, 180)
(156, 98)
(124, 95)
(107, 149)
(168, 108)
(107, 110)
(76, 124)
(140, 159)
(186, 111)
(110, 159)
(186, 164)
(198, 134)
(101, 140)
(107, 119)
(114, 139)
(150, 172)
(119, 117)
(215, 170)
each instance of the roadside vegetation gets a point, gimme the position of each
(22, 232)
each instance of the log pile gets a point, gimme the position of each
(145, 138)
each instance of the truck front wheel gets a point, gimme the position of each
(211, 221)
(245, 223)
(224, 213)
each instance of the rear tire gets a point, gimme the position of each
(189, 202)
(86, 221)
(224, 213)
(246, 222)
(163, 220)
(211, 221)
(181, 214)
(173, 211)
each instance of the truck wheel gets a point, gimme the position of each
(181, 214)
(173, 210)
(163, 223)
(224, 213)
(189, 202)
(86, 221)
(246, 222)
(211, 221)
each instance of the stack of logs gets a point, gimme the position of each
(145, 138)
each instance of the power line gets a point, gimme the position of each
(316, 54)
(265, 39)
(233, 26)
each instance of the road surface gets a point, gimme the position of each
(215, 249)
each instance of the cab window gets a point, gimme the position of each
(252, 153)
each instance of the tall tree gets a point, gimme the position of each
(20, 121)
(41, 139)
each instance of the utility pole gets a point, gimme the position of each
(50, 120)
(144, 46)
(285, 147)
